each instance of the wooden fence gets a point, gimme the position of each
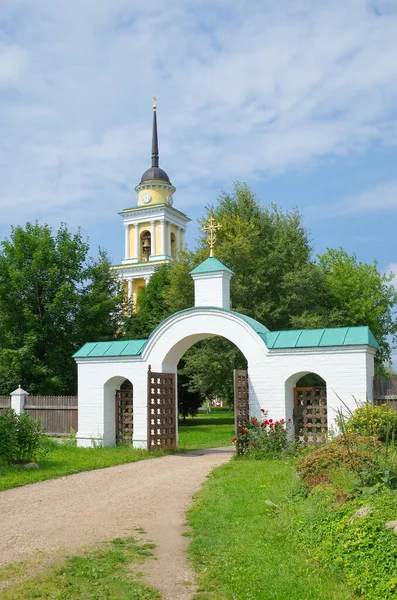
(58, 414)
(385, 391)
(5, 402)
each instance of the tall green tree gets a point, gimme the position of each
(53, 298)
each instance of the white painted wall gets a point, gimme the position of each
(212, 289)
(272, 374)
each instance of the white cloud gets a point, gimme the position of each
(244, 89)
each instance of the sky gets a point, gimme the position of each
(298, 98)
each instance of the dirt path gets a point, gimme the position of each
(87, 508)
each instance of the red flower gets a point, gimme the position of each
(253, 444)
(262, 410)
(254, 420)
(244, 431)
(234, 440)
(289, 420)
(270, 420)
(282, 422)
(266, 422)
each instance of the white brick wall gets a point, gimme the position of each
(348, 372)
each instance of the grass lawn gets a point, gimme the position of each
(207, 431)
(211, 430)
(65, 460)
(243, 545)
(104, 574)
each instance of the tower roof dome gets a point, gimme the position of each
(154, 173)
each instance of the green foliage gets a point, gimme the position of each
(355, 453)
(361, 547)
(52, 300)
(378, 421)
(208, 367)
(98, 574)
(243, 548)
(361, 295)
(20, 437)
(188, 401)
(263, 438)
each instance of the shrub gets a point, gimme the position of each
(20, 437)
(379, 421)
(262, 438)
(355, 453)
(362, 547)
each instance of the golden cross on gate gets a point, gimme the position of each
(211, 226)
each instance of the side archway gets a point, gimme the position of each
(306, 406)
(118, 409)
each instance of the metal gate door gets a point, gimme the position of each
(124, 416)
(162, 411)
(241, 398)
(310, 413)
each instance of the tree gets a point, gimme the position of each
(188, 401)
(263, 246)
(152, 307)
(52, 300)
(361, 295)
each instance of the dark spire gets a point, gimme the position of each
(155, 173)
(155, 141)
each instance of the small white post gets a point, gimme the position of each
(18, 397)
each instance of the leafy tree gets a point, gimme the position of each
(52, 300)
(189, 401)
(361, 295)
(152, 307)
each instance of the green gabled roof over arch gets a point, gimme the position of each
(274, 340)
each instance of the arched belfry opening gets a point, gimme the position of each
(146, 245)
(173, 245)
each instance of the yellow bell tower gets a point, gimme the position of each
(154, 230)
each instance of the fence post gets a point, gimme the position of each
(18, 397)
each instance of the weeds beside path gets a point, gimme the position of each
(243, 538)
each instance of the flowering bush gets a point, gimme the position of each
(262, 438)
(379, 421)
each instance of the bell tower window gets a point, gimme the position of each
(146, 245)
(173, 245)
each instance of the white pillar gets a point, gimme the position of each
(147, 279)
(129, 283)
(182, 238)
(18, 400)
(153, 238)
(177, 238)
(137, 241)
(167, 250)
(162, 248)
(126, 243)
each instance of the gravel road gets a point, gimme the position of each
(88, 508)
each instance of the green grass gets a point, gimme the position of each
(207, 431)
(244, 546)
(65, 460)
(104, 574)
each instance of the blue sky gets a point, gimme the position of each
(296, 97)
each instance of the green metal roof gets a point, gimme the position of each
(299, 338)
(318, 338)
(120, 348)
(211, 265)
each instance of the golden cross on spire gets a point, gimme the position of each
(154, 102)
(211, 226)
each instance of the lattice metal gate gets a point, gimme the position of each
(241, 398)
(162, 411)
(124, 416)
(310, 413)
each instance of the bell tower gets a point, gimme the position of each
(153, 230)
